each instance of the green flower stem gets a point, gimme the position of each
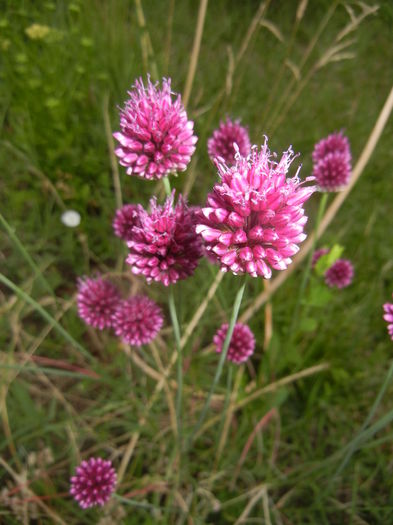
(176, 331)
(307, 270)
(223, 355)
(167, 186)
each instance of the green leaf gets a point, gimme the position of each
(326, 261)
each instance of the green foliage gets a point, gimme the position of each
(54, 82)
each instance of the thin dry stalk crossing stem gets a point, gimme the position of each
(195, 51)
(330, 213)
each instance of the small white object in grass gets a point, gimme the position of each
(71, 218)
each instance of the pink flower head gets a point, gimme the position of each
(164, 245)
(334, 143)
(333, 172)
(388, 316)
(93, 483)
(254, 218)
(221, 142)
(340, 274)
(155, 138)
(137, 320)
(124, 220)
(317, 255)
(242, 343)
(97, 300)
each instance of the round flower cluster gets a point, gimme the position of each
(388, 316)
(221, 143)
(156, 137)
(124, 220)
(340, 274)
(97, 300)
(254, 219)
(242, 343)
(163, 244)
(138, 320)
(332, 162)
(94, 483)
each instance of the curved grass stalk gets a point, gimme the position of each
(195, 51)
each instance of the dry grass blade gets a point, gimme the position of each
(147, 47)
(268, 389)
(229, 414)
(168, 43)
(251, 30)
(301, 9)
(293, 68)
(272, 28)
(195, 51)
(250, 505)
(356, 20)
(201, 309)
(169, 396)
(259, 426)
(333, 52)
(19, 480)
(331, 211)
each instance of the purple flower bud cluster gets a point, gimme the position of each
(332, 162)
(94, 483)
(339, 274)
(156, 137)
(163, 243)
(241, 346)
(137, 320)
(388, 316)
(221, 143)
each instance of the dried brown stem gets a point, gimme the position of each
(331, 211)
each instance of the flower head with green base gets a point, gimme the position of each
(156, 137)
(164, 246)
(254, 218)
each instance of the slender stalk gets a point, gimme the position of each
(195, 51)
(331, 212)
(220, 366)
(307, 270)
(167, 186)
(176, 331)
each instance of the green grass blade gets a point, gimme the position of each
(43, 313)
(25, 254)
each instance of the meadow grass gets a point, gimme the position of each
(276, 457)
